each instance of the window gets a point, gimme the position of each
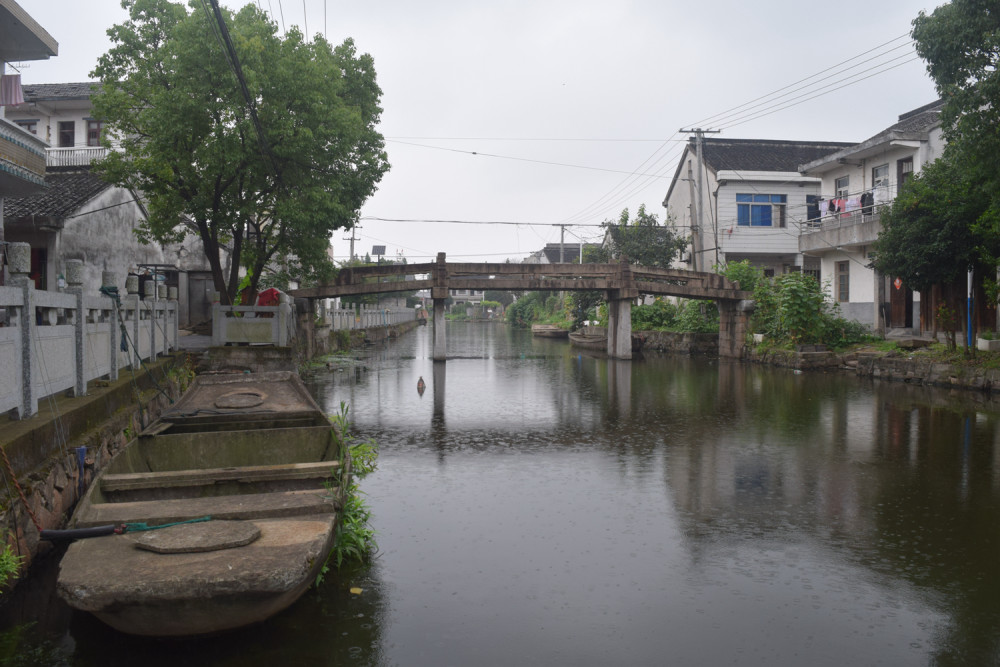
(904, 170)
(94, 130)
(843, 281)
(760, 210)
(880, 176)
(28, 125)
(842, 186)
(67, 133)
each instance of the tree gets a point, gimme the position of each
(927, 234)
(271, 176)
(959, 42)
(642, 240)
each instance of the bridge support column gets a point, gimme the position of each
(439, 292)
(620, 328)
(734, 317)
(440, 343)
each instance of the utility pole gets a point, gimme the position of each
(697, 240)
(352, 239)
(562, 242)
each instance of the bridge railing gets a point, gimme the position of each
(366, 317)
(262, 325)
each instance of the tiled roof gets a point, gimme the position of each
(918, 121)
(59, 91)
(66, 192)
(763, 154)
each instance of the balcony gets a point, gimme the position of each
(842, 230)
(77, 156)
(22, 161)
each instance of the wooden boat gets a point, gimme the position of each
(596, 338)
(589, 341)
(548, 331)
(250, 451)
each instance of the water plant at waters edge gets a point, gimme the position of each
(10, 564)
(355, 539)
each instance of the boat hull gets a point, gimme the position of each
(187, 594)
(548, 331)
(253, 454)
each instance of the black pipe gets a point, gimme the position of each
(71, 534)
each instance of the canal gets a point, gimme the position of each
(537, 506)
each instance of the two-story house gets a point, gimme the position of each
(856, 182)
(78, 215)
(22, 154)
(753, 200)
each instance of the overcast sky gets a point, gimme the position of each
(565, 112)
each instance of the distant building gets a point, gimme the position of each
(755, 202)
(556, 253)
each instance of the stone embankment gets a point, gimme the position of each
(904, 365)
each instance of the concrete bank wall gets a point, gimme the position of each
(680, 343)
(42, 451)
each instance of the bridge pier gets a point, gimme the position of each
(440, 352)
(734, 316)
(439, 292)
(620, 328)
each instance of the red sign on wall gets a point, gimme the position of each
(897, 283)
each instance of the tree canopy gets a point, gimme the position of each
(266, 163)
(959, 41)
(931, 219)
(643, 240)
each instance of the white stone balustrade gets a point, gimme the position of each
(51, 342)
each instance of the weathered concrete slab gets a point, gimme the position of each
(198, 537)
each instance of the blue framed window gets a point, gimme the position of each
(754, 210)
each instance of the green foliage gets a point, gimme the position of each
(486, 305)
(498, 296)
(642, 240)
(927, 235)
(800, 302)
(794, 309)
(267, 182)
(355, 540)
(697, 317)
(744, 273)
(661, 315)
(959, 42)
(10, 564)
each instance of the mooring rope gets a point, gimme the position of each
(20, 491)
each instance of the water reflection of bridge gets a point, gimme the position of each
(623, 283)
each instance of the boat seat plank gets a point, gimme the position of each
(237, 507)
(207, 476)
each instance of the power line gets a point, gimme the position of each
(475, 222)
(518, 159)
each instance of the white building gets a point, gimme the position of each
(22, 154)
(754, 202)
(856, 182)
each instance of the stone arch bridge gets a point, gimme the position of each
(623, 283)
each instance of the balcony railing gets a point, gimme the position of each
(22, 160)
(77, 156)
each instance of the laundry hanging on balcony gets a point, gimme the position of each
(10, 90)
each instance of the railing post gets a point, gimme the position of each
(19, 263)
(74, 281)
(149, 305)
(108, 280)
(132, 301)
(176, 320)
(218, 322)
